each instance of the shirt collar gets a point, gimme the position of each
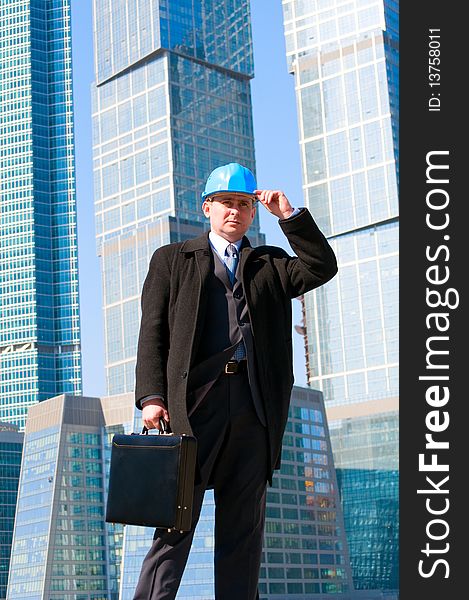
(219, 244)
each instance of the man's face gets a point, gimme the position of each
(230, 215)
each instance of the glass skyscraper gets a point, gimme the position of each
(11, 446)
(305, 549)
(344, 57)
(368, 478)
(171, 102)
(60, 546)
(39, 321)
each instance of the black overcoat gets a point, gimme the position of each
(174, 306)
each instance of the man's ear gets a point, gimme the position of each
(206, 208)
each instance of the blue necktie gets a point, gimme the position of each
(231, 261)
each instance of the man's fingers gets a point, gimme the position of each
(153, 424)
(263, 197)
(268, 196)
(152, 415)
(275, 202)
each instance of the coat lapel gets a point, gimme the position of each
(200, 247)
(246, 251)
(221, 270)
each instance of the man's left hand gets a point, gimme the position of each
(275, 202)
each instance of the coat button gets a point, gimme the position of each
(184, 375)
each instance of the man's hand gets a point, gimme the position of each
(152, 411)
(275, 202)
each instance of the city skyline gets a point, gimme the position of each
(188, 202)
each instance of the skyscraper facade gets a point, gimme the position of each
(305, 549)
(11, 447)
(344, 57)
(39, 320)
(368, 478)
(171, 102)
(60, 546)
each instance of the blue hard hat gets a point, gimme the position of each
(232, 177)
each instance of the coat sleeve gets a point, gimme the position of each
(153, 339)
(315, 262)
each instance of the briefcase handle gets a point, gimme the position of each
(165, 429)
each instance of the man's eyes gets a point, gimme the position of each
(229, 204)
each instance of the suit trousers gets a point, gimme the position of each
(232, 448)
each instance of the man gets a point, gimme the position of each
(215, 359)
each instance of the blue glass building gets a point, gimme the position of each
(172, 101)
(11, 447)
(60, 545)
(368, 479)
(344, 58)
(39, 321)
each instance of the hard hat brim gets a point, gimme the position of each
(206, 196)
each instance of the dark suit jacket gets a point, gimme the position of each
(174, 305)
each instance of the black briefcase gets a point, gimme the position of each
(151, 480)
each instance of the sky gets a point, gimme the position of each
(278, 166)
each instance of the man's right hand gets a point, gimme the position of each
(152, 411)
